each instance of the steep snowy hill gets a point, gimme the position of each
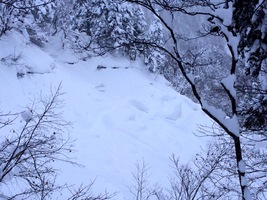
(121, 113)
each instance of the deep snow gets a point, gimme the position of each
(122, 114)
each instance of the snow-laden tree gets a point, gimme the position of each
(94, 26)
(250, 24)
(32, 18)
(233, 21)
(97, 27)
(139, 28)
(90, 25)
(13, 14)
(153, 57)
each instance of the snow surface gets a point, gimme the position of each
(225, 14)
(244, 181)
(241, 166)
(247, 194)
(229, 83)
(122, 114)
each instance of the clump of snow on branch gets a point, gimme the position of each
(26, 115)
(229, 83)
(225, 14)
(230, 123)
(241, 166)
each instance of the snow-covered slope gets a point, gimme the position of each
(122, 114)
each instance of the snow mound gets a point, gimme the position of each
(24, 56)
(139, 105)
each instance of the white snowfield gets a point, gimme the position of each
(121, 114)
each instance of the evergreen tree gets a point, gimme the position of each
(32, 18)
(139, 30)
(154, 58)
(250, 21)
